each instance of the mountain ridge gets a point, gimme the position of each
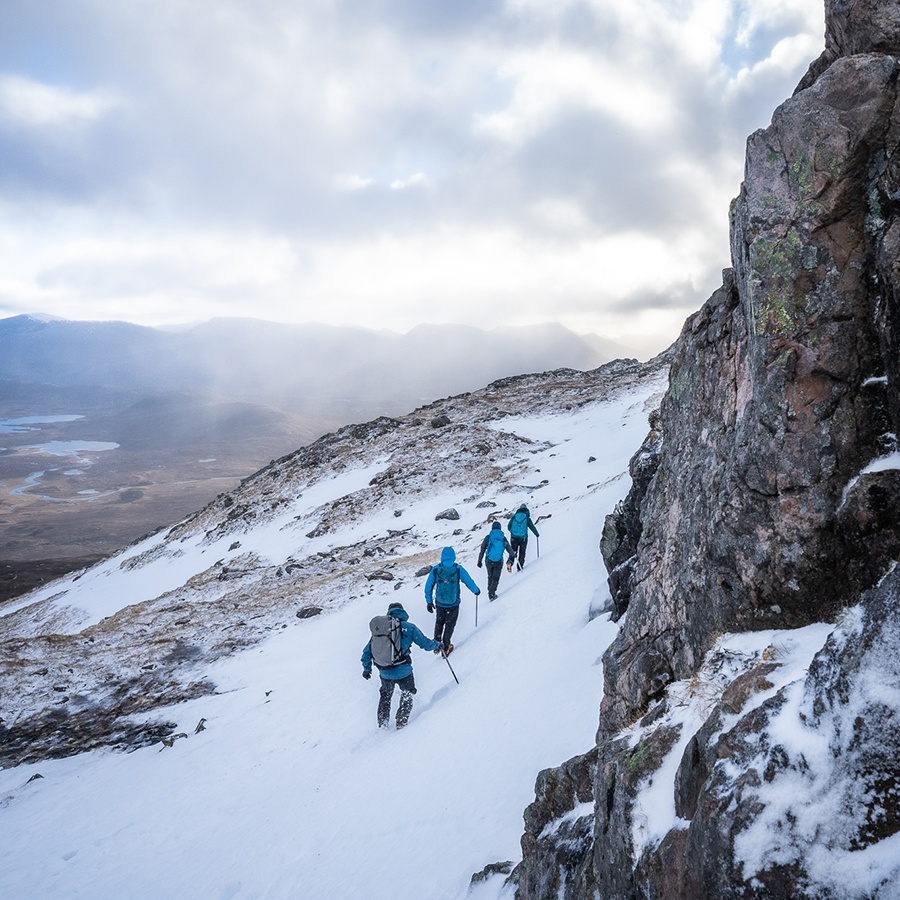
(286, 365)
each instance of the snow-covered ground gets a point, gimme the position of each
(279, 784)
(290, 790)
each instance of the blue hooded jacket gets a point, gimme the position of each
(448, 561)
(411, 635)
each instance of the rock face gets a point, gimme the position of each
(780, 396)
(766, 497)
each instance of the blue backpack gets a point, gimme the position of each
(446, 585)
(496, 543)
(518, 526)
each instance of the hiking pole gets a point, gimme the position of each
(476, 610)
(448, 664)
(537, 540)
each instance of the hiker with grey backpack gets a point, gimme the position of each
(442, 595)
(491, 555)
(389, 649)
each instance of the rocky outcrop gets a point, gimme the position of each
(766, 497)
(779, 397)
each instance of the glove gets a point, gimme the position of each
(479, 563)
(477, 593)
(367, 675)
(430, 607)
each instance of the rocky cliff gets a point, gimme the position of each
(765, 499)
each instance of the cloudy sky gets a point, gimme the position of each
(383, 162)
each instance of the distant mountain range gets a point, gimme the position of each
(299, 368)
(194, 409)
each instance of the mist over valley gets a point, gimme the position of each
(141, 426)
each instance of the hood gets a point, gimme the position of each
(523, 508)
(495, 525)
(448, 556)
(399, 613)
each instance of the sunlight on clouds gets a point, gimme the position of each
(685, 30)
(556, 77)
(31, 103)
(491, 276)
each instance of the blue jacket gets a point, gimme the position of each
(520, 524)
(448, 559)
(411, 635)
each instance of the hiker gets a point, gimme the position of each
(492, 548)
(519, 525)
(398, 670)
(442, 591)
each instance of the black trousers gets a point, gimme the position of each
(494, 570)
(444, 622)
(518, 549)
(407, 689)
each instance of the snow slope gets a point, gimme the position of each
(290, 790)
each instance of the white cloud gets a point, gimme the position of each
(403, 162)
(28, 102)
(556, 77)
(757, 15)
(417, 179)
(782, 59)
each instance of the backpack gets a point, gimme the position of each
(496, 544)
(387, 634)
(446, 585)
(518, 525)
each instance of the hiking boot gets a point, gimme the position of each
(492, 596)
(449, 650)
(509, 566)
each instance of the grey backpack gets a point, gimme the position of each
(387, 635)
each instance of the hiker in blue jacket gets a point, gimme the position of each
(400, 674)
(519, 525)
(492, 548)
(442, 591)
